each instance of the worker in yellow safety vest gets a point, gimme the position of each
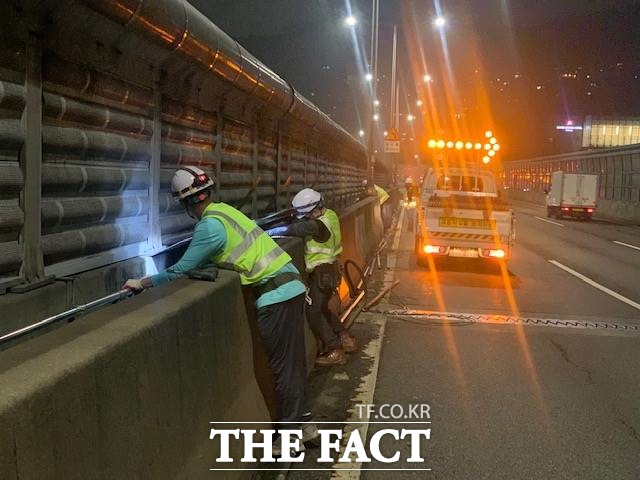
(226, 237)
(320, 227)
(383, 196)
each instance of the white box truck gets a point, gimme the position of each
(461, 214)
(572, 195)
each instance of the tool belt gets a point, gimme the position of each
(275, 282)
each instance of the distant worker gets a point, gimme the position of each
(320, 226)
(226, 237)
(409, 187)
(383, 196)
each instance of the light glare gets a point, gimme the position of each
(350, 21)
(440, 21)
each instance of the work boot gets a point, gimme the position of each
(333, 357)
(348, 342)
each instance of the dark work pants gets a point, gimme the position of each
(281, 327)
(323, 321)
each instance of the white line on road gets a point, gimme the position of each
(626, 245)
(595, 284)
(548, 221)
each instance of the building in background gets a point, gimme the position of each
(600, 132)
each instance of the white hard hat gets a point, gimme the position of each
(305, 201)
(409, 180)
(187, 181)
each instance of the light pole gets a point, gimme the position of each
(373, 65)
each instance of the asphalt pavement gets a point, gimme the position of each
(507, 401)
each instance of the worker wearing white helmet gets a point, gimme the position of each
(226, 237)
(320, 227)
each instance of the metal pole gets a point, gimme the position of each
(306, 157)
(254, 193)
(397, 119)
(66, 315)
(288, 180)
(279, 166)
(218, 153)
(155, 233)
(373, 61)
(32, 269)
(377, 25)
(393, 76)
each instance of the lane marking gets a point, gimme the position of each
(548, 221)
(626, 245)
(595, 284)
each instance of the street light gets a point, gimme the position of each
(427, 78)
(350, 21)
(439, 22)
(419, 103)
(376, 103)
(376, 117)
(410, 118)
(368, 77)
(361, 133)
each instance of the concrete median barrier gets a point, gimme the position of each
(129, 391)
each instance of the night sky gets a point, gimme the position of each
(518, 67)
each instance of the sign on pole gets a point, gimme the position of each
(392, 142)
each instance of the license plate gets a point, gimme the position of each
(578, 209)
(456, 222)
(463, 252)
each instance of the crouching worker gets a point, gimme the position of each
(320, 227)
(226, 237)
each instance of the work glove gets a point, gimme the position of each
(277, 231)
(133, 284)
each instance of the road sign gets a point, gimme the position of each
(392, 142)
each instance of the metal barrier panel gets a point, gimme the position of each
(618, 172)
(98, 108)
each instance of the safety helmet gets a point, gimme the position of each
(191, 183)
(305, 201)
(409, 180)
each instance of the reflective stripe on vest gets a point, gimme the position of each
(249, 251)
(317, 253)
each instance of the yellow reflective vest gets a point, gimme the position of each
(383, 196)
(317, 253)
(249, 250)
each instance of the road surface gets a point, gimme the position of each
(506, 401)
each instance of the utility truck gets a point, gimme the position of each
(462, 214)
(572, 195)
